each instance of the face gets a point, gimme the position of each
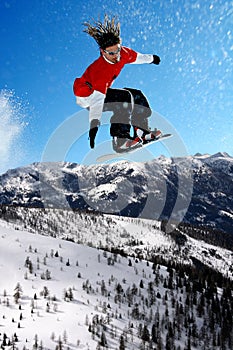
(112, 53)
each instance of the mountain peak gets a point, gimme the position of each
(220, 155)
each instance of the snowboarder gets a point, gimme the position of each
(93, 89)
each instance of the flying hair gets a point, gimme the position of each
(106, 33)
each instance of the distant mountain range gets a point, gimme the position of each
(196, 189)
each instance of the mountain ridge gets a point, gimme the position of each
(193, 189)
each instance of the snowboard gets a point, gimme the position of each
(133, 149)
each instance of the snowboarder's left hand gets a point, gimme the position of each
(156, 59)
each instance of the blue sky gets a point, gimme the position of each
(43, 48)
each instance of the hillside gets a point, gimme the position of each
(141, 238)
(57, 294)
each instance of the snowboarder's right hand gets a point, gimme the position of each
(156, 59)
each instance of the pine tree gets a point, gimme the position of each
(154, 334)
(30, 267)
(4, 343)
(103, 340)
(135, 312)
(122, 343)
(170, 341)
(60, 345)
(65, 337)
(145, 334)
(70, 294)
(47, 275)
(35, 345)
(17, 293)
(103, 288)
(45, 292)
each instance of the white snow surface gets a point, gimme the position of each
(63, 316)
(76, 264)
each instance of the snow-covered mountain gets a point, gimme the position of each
(58, 294)
(141, 238)
(88, 279)
(197, 189)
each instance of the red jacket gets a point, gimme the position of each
(101, 74)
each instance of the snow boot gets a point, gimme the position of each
(146, 135)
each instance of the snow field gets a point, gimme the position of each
(44, 316)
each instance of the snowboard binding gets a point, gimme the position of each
(123, 141)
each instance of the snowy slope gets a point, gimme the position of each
(109, 298)
(137, 237)
(51, 316)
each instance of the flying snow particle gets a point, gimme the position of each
(11, 128)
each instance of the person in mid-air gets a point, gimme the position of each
(93, 89)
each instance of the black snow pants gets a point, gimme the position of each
(129, 107)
